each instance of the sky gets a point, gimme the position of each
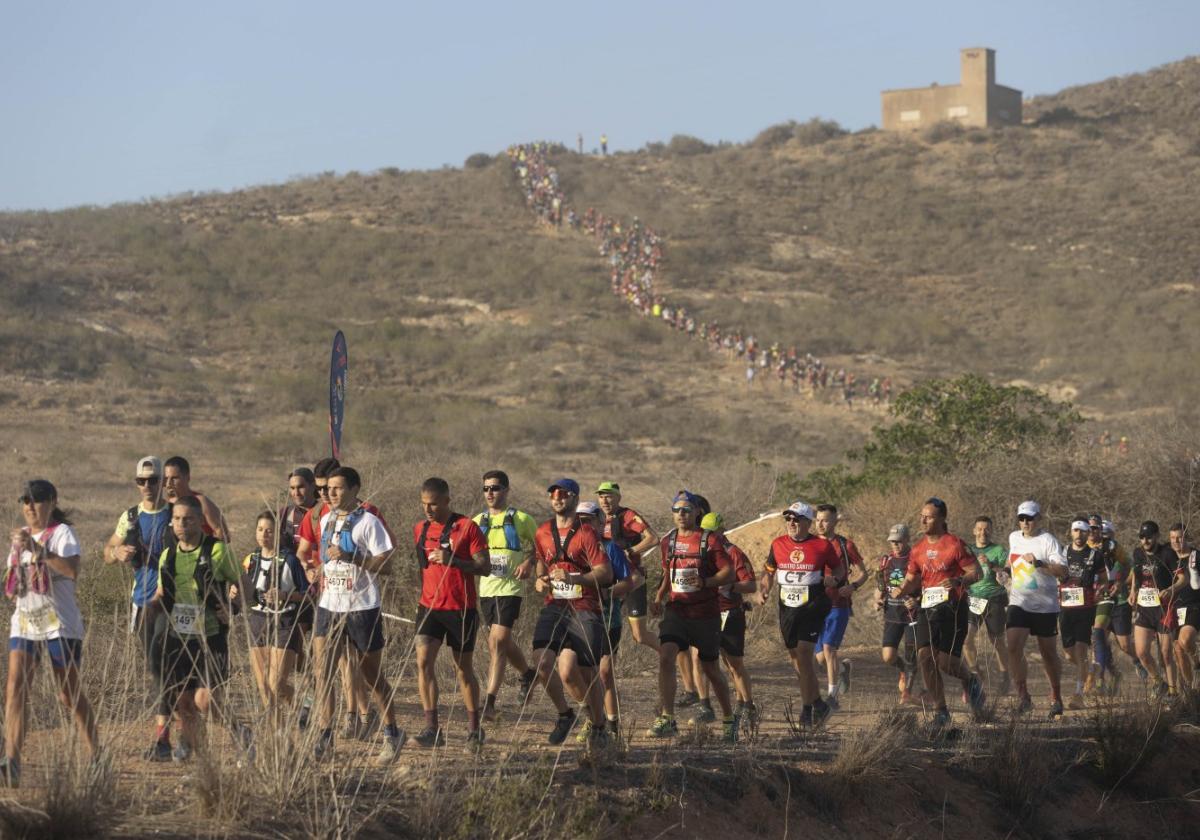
(121, 101)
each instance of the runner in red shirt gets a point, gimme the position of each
(572, 568)
(451, 551)
(630, 531)
(695, 565)
(940, 566)
(806, 567)
(854, 575)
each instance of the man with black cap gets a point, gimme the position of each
(137, 542)
(572, 569)
(1151, 596)
(1077, 597)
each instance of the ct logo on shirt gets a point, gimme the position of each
(797, 555)
(930, 554)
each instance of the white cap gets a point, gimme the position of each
(1108, 527)
(1080, 525)
(801, 509)
(588, 509)
(1029, 508)
(148, 467)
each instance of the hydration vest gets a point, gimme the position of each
(512, 541)
(443, 541)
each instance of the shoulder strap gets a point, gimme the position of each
(485, 522)
(166, 573)
(561, 546)
(444, 541)
(512, 540)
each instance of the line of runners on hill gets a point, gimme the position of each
(317, 566)
(634, 252)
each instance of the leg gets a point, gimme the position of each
(370, 666)
(468, 685)
(741, 678)
(700, 675)
(260, 664)
(499, 645)
(806, 671)
(668, 655)
(1143, 644)
(1015, 638)
(70, 692)
(684, 662)
(712, 670)
(543, 659)
(831, 667)
(191, 731)
(1166, 646)
(427, 687)
(969, 646)
(20, 673)
(1048, 645)
(326, 653)
(1185, 652)
(283, 662)
(610, 686)
(637, 629)
(931, 676)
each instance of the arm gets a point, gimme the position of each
(376, 562)
(214, 518)
(624, 587)
(479, 564)
(115, 551)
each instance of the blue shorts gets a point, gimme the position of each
(835, 628)
(62, 651)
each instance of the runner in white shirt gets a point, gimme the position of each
(43, 564)
(1035, 565)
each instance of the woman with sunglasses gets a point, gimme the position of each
(40, 578)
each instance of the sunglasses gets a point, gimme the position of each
(559, 493)
(322, 489)
(681, 510)
(1024, 517)
(493, 488)
(142, 482)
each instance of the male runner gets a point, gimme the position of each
(630, 531)
(1187, 603)
(1077, 597)
(177, 484)
(1112, 606)
(940, 567)
(1035, 566)
(509, 533)
(842, 599)
(1151, 596)
(899, 614)
(806, 567)
(988, 600)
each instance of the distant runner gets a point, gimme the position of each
(988, 600)
(899, 614)
(1077, 597)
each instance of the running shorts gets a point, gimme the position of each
(279, 631)
(1075, 625)
(361, 628)
(803, 624)
(944, 627)
(1042, 625)
(456, 628)
(561, 627)
(500, 609)
(834, 629)
(733, 632)
(993, 615)
(704, 634)
(62, 652)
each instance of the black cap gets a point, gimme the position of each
(38, 490)
(1149, 529)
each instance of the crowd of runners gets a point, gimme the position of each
(634, 253)
(309, 595)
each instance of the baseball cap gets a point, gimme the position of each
(588, 509)
(568, 484)
(712, 522)
(148, 467)
(1149, 529)
(1095, 520)
(800, 509)
(898, 533)
(608, 487)
(685, 496)
(37, 490)
(1080, 525)
(1029, 508)
(1108, 527)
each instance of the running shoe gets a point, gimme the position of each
(430, 737)
(688, 698)
(975, 696)
(324, 747)
(1056, 710)
(820, 712)
(489, 711)
(941, 719)
(302, 718)
(585, 732)
(392, 745)
(1025, 704)
(704, 714)
(729, 729)
(562, 728)
(597, 740)
(243, 736)
(350, 730)
(159, 751)
(843, 683)
(526, 685)
(664, 726)
(10, 772)
(474, 741)
(1141, 670)
(832, 701)
(182, 752)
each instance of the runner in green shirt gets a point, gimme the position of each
(988, 600)
(509, 534)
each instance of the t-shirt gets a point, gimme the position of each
(938, 561)
(55, 613)
(685, 570)
(447, 587)
(348, 587)
(1189, 596)
(800, 567)
(291, 518)
(1155, 569)
(743, 572)
(153, 526)
(626, 526)
(854, 559)
(283, 572)
(582, 553)
(1033, 589)
(308, 531)
(188, 609)
(893, 568)
(1118, 569)
(1085, 566)
(991, 557)
(505, 560)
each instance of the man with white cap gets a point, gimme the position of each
(138, 542)
(804, 566)
(1035, 564)
(1077, 597)
(940, 567)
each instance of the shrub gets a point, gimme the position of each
(684, 145)
(775, 135)
(816, 131)
(944, 130)
(479, 160)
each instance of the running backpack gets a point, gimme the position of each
(207, 586)
(443, 541)
(39, 572)
(345, 536)
(671, 551)
(512, 540)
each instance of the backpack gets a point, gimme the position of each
(210, 591)
(618, 561)
(671, 551)
(345, 536)
(39, 573)
(443, 541)
(512, 541)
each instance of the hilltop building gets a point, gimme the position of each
(975, 101)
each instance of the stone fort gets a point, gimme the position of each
(975, 101)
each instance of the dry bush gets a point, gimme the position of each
(1018, 762)
(1124, 737)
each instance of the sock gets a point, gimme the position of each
(308, 701)
(706, 702)
(163, 733)
(1101, 650)
(530, 674)
(491, 701)
(391, 730)
(567, 713)
(1079, 686)
(832, 690)
(472, 720)
(431, 719)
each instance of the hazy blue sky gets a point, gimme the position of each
(117, 101)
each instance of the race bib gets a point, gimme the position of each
(1148, 597)
(931, 596)
(187, 619)
(686, 581)
(1180, 613)
(793, 596)
(500, 562)
(725, 617)
(977, 605)
(38, 623)
(339, 577)
(566, 591)
(1071, 596)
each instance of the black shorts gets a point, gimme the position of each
(1190, 617)
(562, 627)
(456, 628)
(361, 628)
(1075, 624)
(500, 609)
(1042, 625)
(703, 634)
(803, 624)
(1120, 619)
(279, 631)
(733, 632)
(192, 663)
(944, 627)
(1151, 618)
(898, 625)
(613, 638)
(993, 616)
(635, 603)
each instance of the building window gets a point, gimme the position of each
(957, 112)
(910, 116)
